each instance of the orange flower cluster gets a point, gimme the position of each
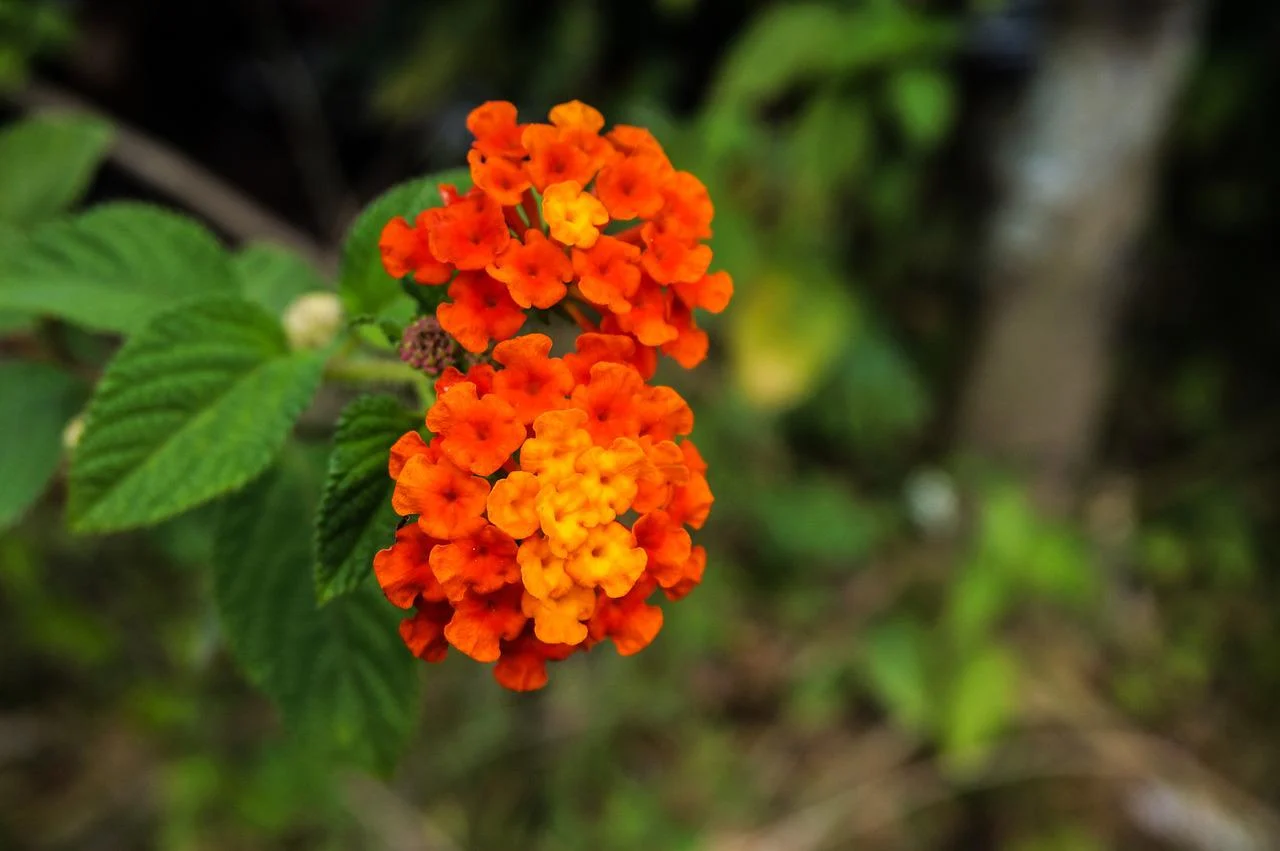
(556, 494)
(622, 251)
(552, 501)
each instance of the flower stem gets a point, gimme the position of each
(363, 370)
(530, 206)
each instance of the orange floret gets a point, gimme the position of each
(666, 469)
(581, 124)
(447, 500)
(691, 575)
(409, 445)
(498, 177)
(607, 558)
(691, 344)
(559, 620)
(541, 570)
(423, 633)
(634, 140)
(511, 504)
(630, 621)
(481, 375)
(631, 187)
(406, 250)
(687, 210)
(671, 256)
(477, 434)
(567, 514)
(609, 476)
(576, 115)
(667, 545)
(691, 502)
(649, 318)
(481, 622)
(535, 270)
(608, 273)
(482, 562)
(573, 216)
(523, 666)
(468, 233)
(555, 158)
(598, 348)
(403, 571)
(560, 437)
(645, 359)
(532, 382)
(664, 414)
(497, 134)
(482, 310)
(609, 400)
(711, 292)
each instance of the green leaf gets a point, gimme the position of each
(195, 405)
(831, 143)
(873, 402)
(355, 518)
(980, 597)
(273, 276)
(36, 402)
(982, 700)
(794, 43)
(114, 267)
(897, 658)
(46, 164)
(788, 328)
(815, 519)
(340, 674)
(924, 103)
(363, 284)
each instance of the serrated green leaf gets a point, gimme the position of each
(195, 405)
(36, 402)
(273, 276)
(363, 284)
(924, 102)
(355, 519)
(340, 674)
(46, 164)
(114, 267)
(897, 658)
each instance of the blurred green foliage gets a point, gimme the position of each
(29, 29)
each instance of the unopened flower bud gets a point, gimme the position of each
(72, 433)
(427, 347)
(313, 320)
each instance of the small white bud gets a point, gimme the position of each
(932, 502)
(313, 320)
(72, 433)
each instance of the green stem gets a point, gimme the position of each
(362, 370)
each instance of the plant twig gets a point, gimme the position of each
(187, 182)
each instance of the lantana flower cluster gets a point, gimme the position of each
(555, 495)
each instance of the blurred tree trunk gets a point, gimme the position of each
(1077, 172)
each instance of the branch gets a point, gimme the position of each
(195, 187)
